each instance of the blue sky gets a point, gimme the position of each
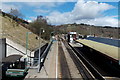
(89, 12)
(114, 11)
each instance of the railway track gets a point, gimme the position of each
(65, 72)
(109, 70)
(85, 68)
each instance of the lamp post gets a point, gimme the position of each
(27, 33)
(39, 62)
(51, 34)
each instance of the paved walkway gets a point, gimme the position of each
(49, 70)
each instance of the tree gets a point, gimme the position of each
(41, 22)
(16, 13)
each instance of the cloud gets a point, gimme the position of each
(101, 21)
(29, 20)
(44, 4)
(41, 11)
(90, 12)
(89, 9)
(7, 7)
(39, 0)
(32, 18)
(55, 0)
(40, 4)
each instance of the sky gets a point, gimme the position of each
(79, 11)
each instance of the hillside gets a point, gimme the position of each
(84, 29)
(17, 33)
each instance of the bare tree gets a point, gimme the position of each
(16, 16)
(16, 13)
(41, 23)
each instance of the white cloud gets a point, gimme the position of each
(7, 7)
(40, 4)
(101, 21)
(41, 11)
(29, 20)
(44, 4)
(39, 0)
(89, 9)
(56, 0)
(32, 18)
(85, 12)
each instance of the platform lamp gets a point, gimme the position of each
(39, 62)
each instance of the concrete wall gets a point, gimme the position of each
(14, 48)
(2, 54)
(8, 47)
(2, 49)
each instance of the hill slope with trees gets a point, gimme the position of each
(15, 31)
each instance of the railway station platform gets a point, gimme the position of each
(109, 50)
(98, 49)
(57, 65)
(49, 70)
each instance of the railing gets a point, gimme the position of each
(43, 56)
